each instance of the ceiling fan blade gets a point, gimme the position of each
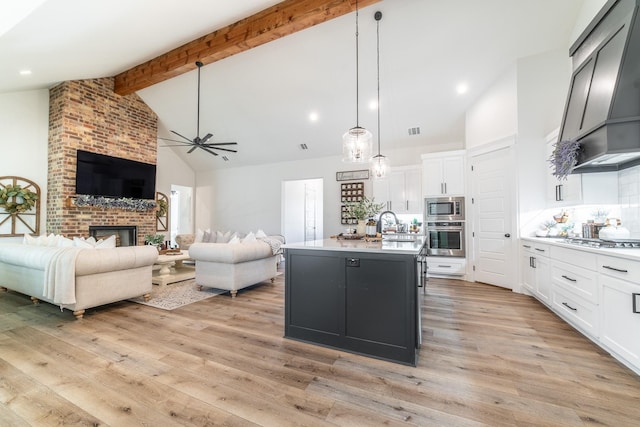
(191, 149)
(208, 151)
(206, 138)
(222, 149)
(211, 144)
(176, 141)
(181, 136)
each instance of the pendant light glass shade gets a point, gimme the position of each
(379, 164)
(356, 142)
(356, 145)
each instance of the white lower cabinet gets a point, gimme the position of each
(446, 266)
(619, 323)
(575, 289)
(596, 293)
(535, 270)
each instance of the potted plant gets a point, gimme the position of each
(363, 210)
(154, 240)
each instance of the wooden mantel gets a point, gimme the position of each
(270, 24)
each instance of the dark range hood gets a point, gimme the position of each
(603, 107)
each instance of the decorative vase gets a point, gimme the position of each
(361, 228)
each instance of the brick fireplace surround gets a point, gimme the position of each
(88, 115)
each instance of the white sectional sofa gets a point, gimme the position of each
(77, 278)
(234, 265)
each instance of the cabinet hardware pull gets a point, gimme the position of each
(445, 266)
(540, 250)
(526, 246)
(445, 188)
(442, 188)
(636, 303)
(569, 278)
(569, 307)
(615, 269)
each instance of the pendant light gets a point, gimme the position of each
(356, 142)
(379, 163)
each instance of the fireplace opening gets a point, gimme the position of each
(126, 235)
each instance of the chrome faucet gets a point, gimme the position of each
(379, 225)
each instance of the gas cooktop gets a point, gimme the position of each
(604, 243)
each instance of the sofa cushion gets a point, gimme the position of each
(229, 254)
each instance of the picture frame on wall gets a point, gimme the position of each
(352, 175)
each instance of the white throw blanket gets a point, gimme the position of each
(60, 276)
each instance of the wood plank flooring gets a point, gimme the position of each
(489, 358)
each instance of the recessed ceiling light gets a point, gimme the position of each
(313, 116)
(25, 72)
(462, 88)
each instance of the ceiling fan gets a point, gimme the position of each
(198, 142)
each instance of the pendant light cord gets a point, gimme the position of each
(357, 72)
(378, 16)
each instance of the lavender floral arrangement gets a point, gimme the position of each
(564, 158)
(138, 205)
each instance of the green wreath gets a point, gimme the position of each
(15, 199)
(163, 206)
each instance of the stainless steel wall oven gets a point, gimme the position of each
(446, 238)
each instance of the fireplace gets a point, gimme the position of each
(126, 235)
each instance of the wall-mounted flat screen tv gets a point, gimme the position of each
(102, 175)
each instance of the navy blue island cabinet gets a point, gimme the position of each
(364, 302)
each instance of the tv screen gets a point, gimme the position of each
(102, 175)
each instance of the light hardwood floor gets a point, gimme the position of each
(490, 358)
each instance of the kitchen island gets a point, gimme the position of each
(356, 296)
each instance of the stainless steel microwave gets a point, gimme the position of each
(444, 209)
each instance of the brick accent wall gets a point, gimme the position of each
(88, 115)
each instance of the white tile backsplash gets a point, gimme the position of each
(629, 199)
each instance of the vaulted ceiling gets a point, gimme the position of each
(263, 97)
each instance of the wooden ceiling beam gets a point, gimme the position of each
(270, 24)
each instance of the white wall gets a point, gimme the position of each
(495, 115)
(543, 84)
(172, 170)
(24, 121)
(248, 198)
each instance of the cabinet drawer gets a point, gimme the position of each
(581, 314)
(621, 268)
(446, 266)
(535, 248)
(576, 280)
(579, 258)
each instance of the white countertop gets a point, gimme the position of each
(386, 246)
(627, 253)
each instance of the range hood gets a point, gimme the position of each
(602, 111)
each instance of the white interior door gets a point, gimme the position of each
(492, 206)
(302, 210)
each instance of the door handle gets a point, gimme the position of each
(507, 235)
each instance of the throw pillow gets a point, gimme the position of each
(260, 234)
(200, 235)
(81, 242)
(250, 238)
(108, 243)
(206, 236)
(234, 240)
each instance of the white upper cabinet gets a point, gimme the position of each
(401, 191)
(443, 174)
